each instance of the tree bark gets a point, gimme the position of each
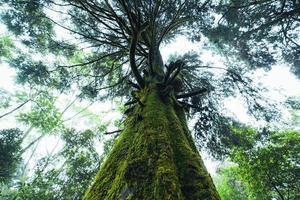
(154, 158)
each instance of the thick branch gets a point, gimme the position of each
(112, 132)
(133, 65)
(174, 72)
(189, 105)
(173, 68)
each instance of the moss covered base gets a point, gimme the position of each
(154, 158)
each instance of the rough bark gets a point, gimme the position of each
(154, 158)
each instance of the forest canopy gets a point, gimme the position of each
(68, 55)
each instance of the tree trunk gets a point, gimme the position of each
(154, 158)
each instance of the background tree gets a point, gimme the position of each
(67, 170)
(10, 145)
(261, 32)
(63, 173)
(229, 184)
(266, 165)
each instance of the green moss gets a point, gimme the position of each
(154, 158)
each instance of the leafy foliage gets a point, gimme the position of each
(5, 99)
(213, 128)
(43, 115)
(64, 175)
(261, 32)
(6, 46)
(110, 49)
(269, 168)
(10, 146)
(104, 36)
(30, 71)
(229, 184)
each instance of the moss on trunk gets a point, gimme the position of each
(154, 158)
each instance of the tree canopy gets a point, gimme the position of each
(261, 32)
(110, 50)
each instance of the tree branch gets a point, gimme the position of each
(133, 65)
(188, 105)
(193, 93)
(13, 110)
(112, 132)
(136, 86)
(174, 71)
(130, 103)
(274, 186)
(31, 143)
(89, 62)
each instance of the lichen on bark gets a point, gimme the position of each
(154, 157)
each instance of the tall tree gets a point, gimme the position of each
(112, 49)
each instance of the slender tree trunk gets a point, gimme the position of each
(154, 158)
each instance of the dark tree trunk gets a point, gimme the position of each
(154, 158)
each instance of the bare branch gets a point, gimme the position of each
(31, 143)
(89, 62)
(13, 110)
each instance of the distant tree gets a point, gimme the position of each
(10, 146)
(229, 184)
(293, 104)
(5, 99)
(63, 175)
(267, 165)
